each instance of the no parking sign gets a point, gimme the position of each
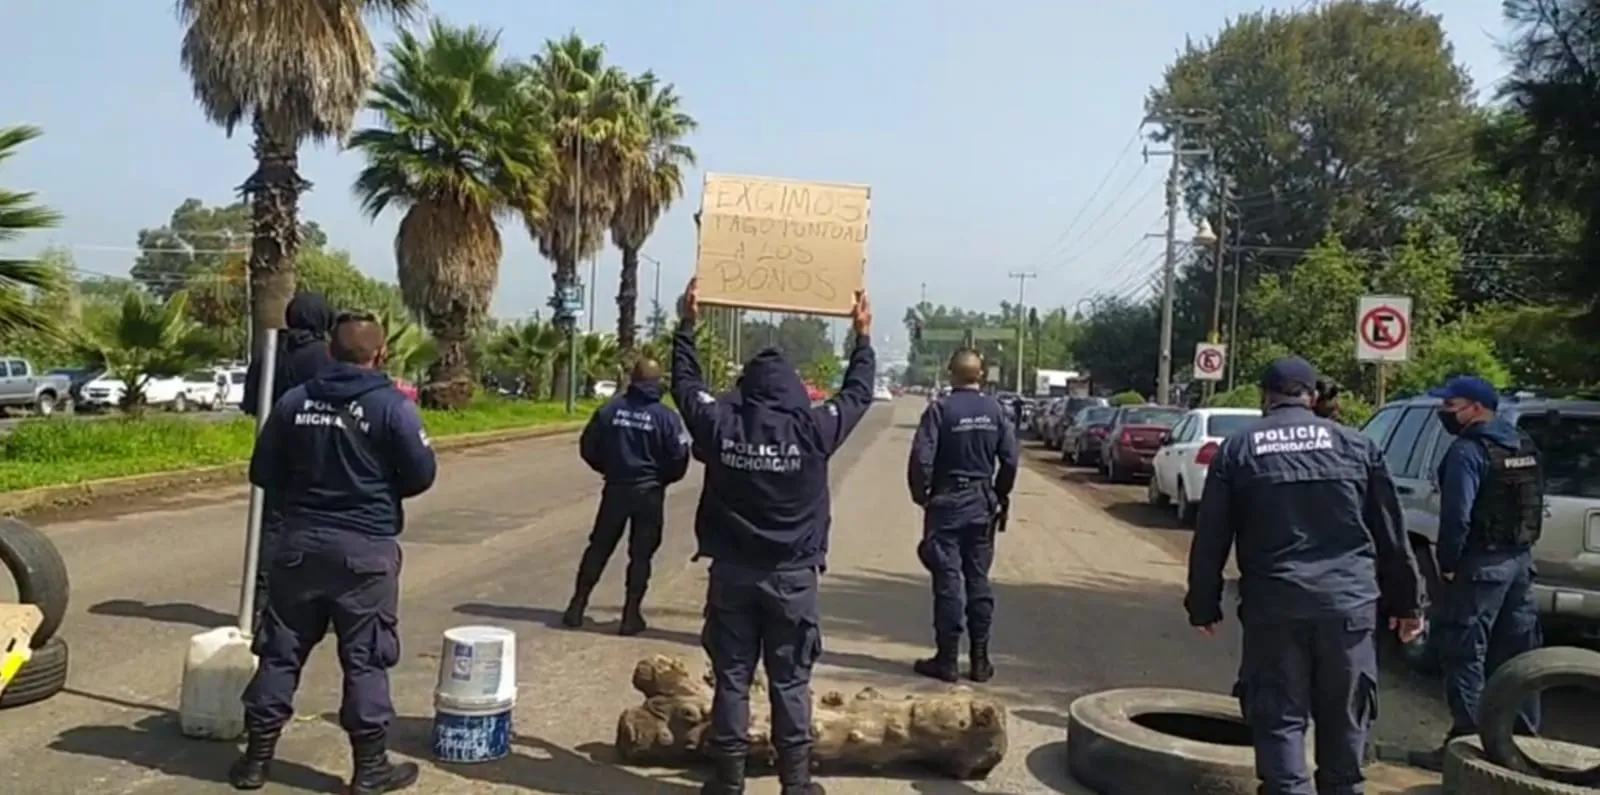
(1383, 328)
(1209, 361)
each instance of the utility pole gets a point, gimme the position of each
(1177, 125)
(1233, 320)
(924, 301)
(1022, 278)
(1222, 235)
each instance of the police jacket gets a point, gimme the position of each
(332, 477)
(634, 440)
(1316, 520)
(1491, 495)
(765, 501)
(964, 442)
(302, 350)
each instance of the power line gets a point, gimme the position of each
(1089, 202)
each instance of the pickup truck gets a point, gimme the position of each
(22, 386)
(176, 394)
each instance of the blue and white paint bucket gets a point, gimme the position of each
(477, 668)
(465, 736)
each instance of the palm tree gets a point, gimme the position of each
(19, 277)
(596, 142)
(650, 189)
(529, 350)
(461, 145)
(600, 358)
(298, 70)
(146, 338)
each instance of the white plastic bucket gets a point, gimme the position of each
(469, 736)
(477, 668)
(216, 671)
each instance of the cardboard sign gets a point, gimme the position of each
(781, 245)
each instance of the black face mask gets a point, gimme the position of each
(1452, 423)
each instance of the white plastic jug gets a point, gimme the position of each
(216, 672)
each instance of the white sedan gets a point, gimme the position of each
(882, 394)
(1180, 466)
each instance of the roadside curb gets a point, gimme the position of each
(21, 503)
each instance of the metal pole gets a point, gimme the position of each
(1169, 272)
(1233, 321)
(1217, 263)
(1022, 318)
(252, 530)
(594, 279)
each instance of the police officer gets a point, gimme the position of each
(1318, 527)
(1491, 511)
(640, 447)
(344, 450)
(302, 353)
(763, 520)
(1327, 402)
(963, 465)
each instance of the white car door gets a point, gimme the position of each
(1184, 445)
(1168, 463)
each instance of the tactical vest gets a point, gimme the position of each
(1509, 509)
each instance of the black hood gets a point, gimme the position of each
(307, 319)
(769, 380)
(645, 391)
(341, 382)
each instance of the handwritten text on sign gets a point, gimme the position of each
(782, 245)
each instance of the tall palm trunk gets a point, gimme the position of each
(450, 378)
(566, 275)
(628, 300)
(274, 195)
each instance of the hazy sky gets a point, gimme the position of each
(982, 128)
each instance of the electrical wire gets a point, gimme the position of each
(1087, 203)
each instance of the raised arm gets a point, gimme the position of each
(838, 415)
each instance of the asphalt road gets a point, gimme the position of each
(1088, 599)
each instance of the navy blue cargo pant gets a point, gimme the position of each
(767, 617)
(1487, 616)
(1295, 672)
(636, 509)
(958, 549)
(351, 583)
(271, 521)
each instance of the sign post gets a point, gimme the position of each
(1383, 334)
(1210, 359)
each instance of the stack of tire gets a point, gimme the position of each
(1493, 763)
(41, 579)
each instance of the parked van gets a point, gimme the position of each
(1567, 557)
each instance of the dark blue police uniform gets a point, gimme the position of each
(962, 467)
(763, 520)
(1319, 535)
(1491, 512)
(338, 558)
(302, 353)
(640, 447)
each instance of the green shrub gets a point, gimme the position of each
(58, 451)
(1128, 398)
(1240, 397)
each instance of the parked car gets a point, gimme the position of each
(1178, 473)
(605, 390)
(882, 394)
(77, 377)
(1133, 438)
(168, 392)
(1047, 422)
(1080, 443)
(23, 386)
(408, 389)
(233, 394)
(1568, 552)
(1069, 413)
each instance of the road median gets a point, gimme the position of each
(66, 464)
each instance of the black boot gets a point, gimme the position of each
(573, 617)
(632, 617)
(727, 775)
(979, 668)
(251, 769)
(945, 664)
(375, 773)
(794, 773)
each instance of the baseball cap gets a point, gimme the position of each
(1285, 373)
(1469, 387)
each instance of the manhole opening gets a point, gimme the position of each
(1204, 728)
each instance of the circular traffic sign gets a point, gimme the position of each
(1383, 327)
(1209, 361)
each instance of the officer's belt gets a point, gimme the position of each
(957, 485)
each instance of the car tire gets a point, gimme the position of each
(1114, 473)
(1152, 492)
(180, 404)
(1521, 678)
(42, 676)
(1467, 768)
(39, 573)
(1185, 508)
(1068, 456)
(1113, 749)
(45, 404)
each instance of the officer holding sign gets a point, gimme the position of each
(763, 519)
(1318, 528)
